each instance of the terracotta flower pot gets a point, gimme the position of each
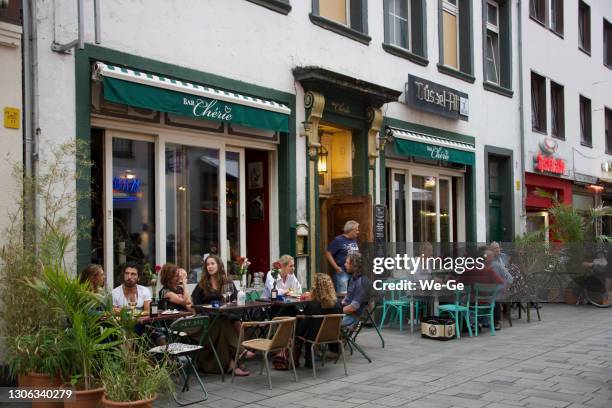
(148, 403)
(45, 381)
(24, 380)
(86, 399)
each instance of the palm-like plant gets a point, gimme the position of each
(87, 333)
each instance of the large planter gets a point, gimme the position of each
(86, 399)
(45, 381)
(148, 403)
(24, 380)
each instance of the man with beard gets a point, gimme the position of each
(130, 293)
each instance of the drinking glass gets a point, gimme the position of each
(132, 302)
(227, 291)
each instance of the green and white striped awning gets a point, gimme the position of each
(149, 91)
(410, 143)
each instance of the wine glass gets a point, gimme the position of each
(227, 291)
(132, 301)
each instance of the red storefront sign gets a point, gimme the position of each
(549, 164)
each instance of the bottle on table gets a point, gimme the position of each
(274, 293)
(241, 299)
(154, 307)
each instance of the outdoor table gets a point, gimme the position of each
(231, 307)
(162, 317)
(288, 301)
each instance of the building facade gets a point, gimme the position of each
(567, 67)
(256, 128)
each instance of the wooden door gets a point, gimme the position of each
(342, 209)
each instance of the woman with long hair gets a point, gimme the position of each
(95, 276)
(174, 287)
(323, 301)
(223, 333)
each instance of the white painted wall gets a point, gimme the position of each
(560, 60)
(241, 40)
(10, 139)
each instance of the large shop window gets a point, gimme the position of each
(133, 204)
(192, 205)
(424, 205)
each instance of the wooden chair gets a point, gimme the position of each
(281, 332)
(329, 333)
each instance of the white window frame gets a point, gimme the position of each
(160, 135)
(496, 54)
(409, 170)
(393, 16)
(453, 9)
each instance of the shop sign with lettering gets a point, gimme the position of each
(545, 161)
(435, 98)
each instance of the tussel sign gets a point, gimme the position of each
(435, 98)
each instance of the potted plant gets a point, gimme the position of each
(131, 378)
(40, 359)
(86, 333)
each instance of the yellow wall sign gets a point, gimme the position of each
(11, 118)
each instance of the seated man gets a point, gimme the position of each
(358, 290)
(129, 292)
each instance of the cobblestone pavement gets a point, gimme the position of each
(564, 361)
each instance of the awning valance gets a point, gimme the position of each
(409, 143)
(149, 91)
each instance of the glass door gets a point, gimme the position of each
(130, 222)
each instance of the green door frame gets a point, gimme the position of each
(470, 176)
(287, 193)
(507, 176)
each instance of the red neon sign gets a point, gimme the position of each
(549, 164)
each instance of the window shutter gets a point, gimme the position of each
(418, 27)
(505, 44)
(465, 36)
(357, 15)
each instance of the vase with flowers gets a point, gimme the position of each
(243, 271)
(275, 271)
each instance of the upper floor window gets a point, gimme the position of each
(492, 43)
(405, 25)
(455, 20)
(607, 43)
(556, 16)
(537, 10)
(586, 137)
(10, 11)
(557, 110)
(538, 103)
(346, 17)
(280, 6)
(584, 27)
(497, 45)
(608, 118)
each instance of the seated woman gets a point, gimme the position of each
(286, 282)
(223, 333)
(95, 276)
(323, 301)
(174, 287)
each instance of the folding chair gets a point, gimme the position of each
(329, 333)
(181, 352)
(275, 341)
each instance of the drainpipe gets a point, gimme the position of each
(30, 102)
(522, 116)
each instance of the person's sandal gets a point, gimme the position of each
(239, 372)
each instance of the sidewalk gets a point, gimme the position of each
(563, 361)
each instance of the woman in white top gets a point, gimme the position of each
(286, 281)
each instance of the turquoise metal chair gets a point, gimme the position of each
(458, 310)
(394, 306)
(484, 304)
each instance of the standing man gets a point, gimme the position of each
(338, 250)
(130, 291)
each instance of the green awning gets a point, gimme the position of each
(432, 147)
(148, 91)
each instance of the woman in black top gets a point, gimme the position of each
(323, 301)
(224, 333)
(174, 288)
